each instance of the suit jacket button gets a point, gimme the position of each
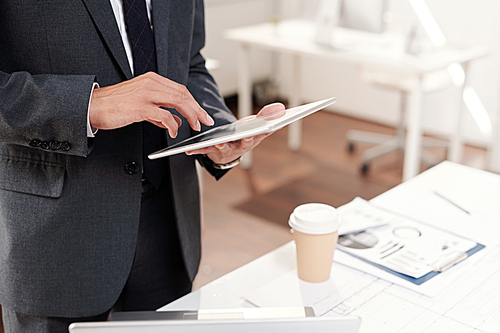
(44, 145)
(131, 168)
(65, 146)
(54, 145)
(34, 143)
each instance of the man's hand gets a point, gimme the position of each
(140, 99)
(227, 152)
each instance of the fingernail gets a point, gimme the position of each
(189, 153)
(197, 126)
(248, 139)
(221, 147)
(210, 120)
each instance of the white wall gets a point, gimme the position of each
(473, 22)
(461, 20)
(465, 20)
(225, 14)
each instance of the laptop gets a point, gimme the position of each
(246, 320)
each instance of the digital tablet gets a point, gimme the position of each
(242, 129)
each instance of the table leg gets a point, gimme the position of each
(413, 145)
(295, 128)
(456, 141)
(493, 153)
(244, 92)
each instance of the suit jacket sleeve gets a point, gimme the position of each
(47, 108)
(203, 87)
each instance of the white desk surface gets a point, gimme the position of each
(469, 303)
(297, 37)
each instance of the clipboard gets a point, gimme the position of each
(419, 281)
(405, 247)
(242, 129)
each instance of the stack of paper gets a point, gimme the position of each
(411, 249)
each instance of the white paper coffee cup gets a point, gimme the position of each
(315, 229)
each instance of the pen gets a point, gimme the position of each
(453, 203)
(447, 264)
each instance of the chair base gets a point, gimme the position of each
(385, 144)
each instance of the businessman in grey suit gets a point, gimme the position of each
(86, 222)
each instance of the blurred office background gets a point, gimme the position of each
(245, 213)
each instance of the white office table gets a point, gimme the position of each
(469, 302)
(296, 37)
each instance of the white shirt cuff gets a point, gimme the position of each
(90, 130)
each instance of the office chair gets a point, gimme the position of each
(385, 144)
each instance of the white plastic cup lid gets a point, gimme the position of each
(315, 219)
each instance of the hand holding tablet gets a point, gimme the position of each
(228, 154)
(262, 124)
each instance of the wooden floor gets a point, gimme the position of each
(246, 212)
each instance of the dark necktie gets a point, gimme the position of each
(144, 56)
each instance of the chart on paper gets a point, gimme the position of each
(399, 243)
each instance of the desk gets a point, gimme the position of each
(470, 303)
(296, 38)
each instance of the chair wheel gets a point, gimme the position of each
(350, 147)
(364, 168)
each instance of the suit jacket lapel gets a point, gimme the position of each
(104, 19)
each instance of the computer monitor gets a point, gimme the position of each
(365, 15)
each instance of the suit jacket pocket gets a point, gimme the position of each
(26, 171)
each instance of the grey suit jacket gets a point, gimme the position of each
(69, 212)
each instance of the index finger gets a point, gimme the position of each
(168, 93)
